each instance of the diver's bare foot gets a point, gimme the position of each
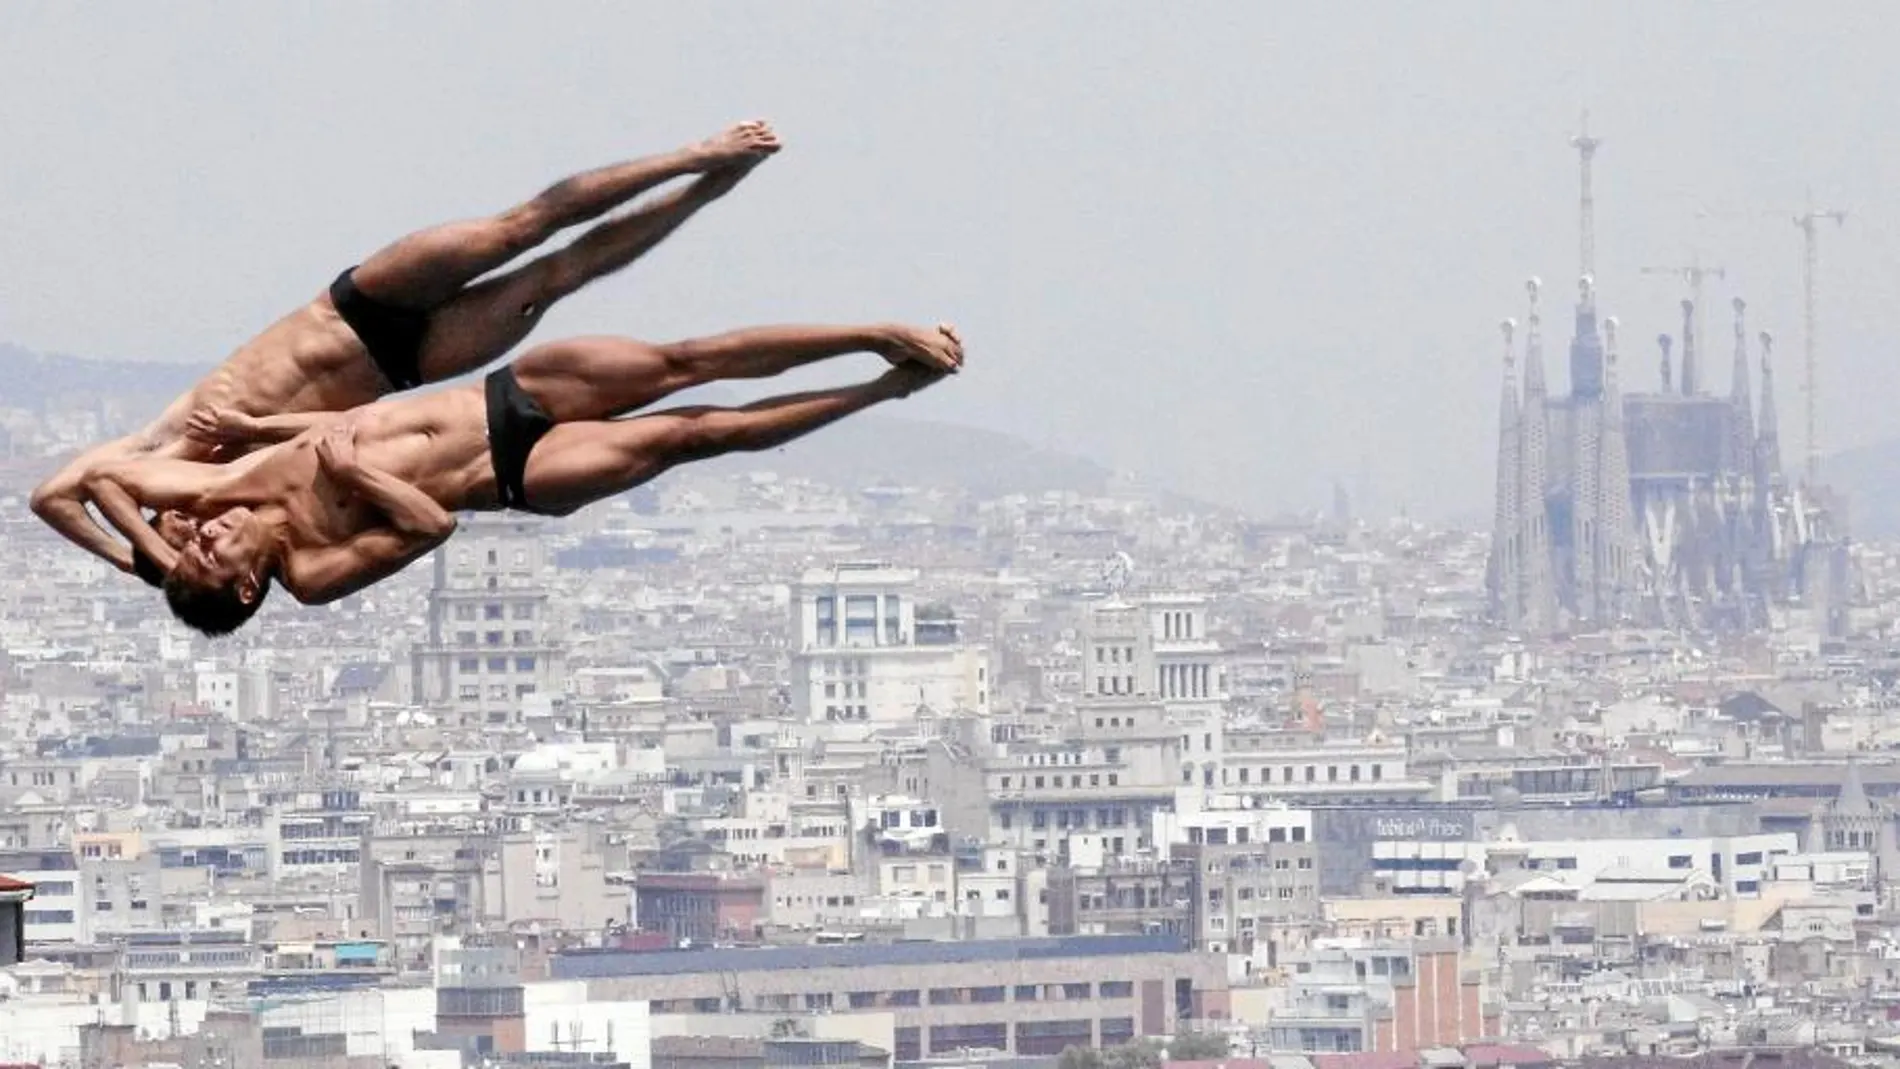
(721, 180)
(940, 350)
(902, 380)
(752, 141)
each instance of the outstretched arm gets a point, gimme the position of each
(222, 426)
(320, 576)
(158, 482)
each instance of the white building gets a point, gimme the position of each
(490, 648)
(861, 651)
(1158, 649)
(58, 912)
(1738, 865)
(557, 1015)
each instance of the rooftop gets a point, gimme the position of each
(590, 963)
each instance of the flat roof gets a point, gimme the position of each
(585, 964)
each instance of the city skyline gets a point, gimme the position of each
(1312, 244)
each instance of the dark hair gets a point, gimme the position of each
(216, 611)
(147, 569)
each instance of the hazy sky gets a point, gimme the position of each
(1235, 247)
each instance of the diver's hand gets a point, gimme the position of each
(336, 451)
(219, 425)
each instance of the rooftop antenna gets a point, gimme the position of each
(1586, 147)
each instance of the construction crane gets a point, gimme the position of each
(1694, 274)
(1809, 222)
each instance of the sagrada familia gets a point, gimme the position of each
(1664, 509)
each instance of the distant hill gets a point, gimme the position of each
(1870, 476)
(874, 449)
(863, 451)
(34, 379)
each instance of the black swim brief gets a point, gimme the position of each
(516, 422)
(392, 335)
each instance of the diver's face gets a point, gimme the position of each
(224, 549)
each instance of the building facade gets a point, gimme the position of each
(491, 645)
(863, 650)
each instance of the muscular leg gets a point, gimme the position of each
(599, 378)
(426, 268)
(490, 318)
(577, 464)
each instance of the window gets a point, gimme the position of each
(1752, 857)
(465, 612)
(826, 611)
(524, 610)
(524, 664)
(524, 638)
(468, 666)
(1679, 861)
(492, 638)
(1116, 989)
(498, 664)
(465, 638)
(491, 611)
(860, 620)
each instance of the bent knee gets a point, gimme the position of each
(42, 500)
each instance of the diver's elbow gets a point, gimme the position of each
(46, 499)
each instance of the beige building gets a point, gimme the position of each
(1021, 996)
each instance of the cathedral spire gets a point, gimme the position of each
(1768, 439)
(1688, 348)
(1738, 395)
(1586, 346)
(1617, 551)
(1534, 387)
(1506, 576)
(1539, 596)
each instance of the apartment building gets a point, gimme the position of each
(1027, 997)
